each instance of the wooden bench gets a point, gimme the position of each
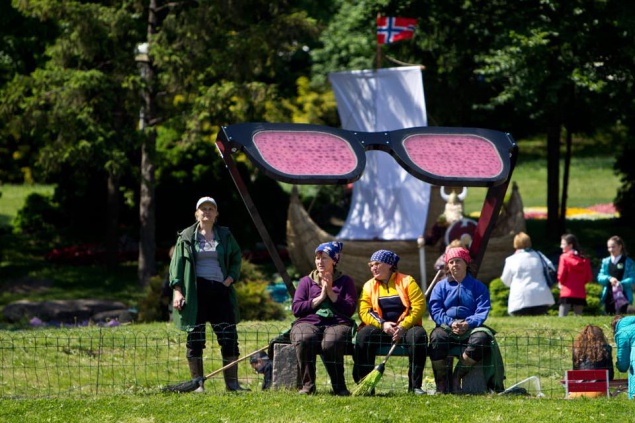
(285, 374)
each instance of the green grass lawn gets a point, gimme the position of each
(132, 363)
(592, 181)
(287, 408)
(12, 199)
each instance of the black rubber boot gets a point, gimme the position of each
(231, 376)
(441, 372)
(196, 371)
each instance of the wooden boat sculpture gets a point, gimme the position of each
(313, 154)
(303, 235)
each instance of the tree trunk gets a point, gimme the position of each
(565, 182)
(553, 182)
(147, 219)
(112, 229)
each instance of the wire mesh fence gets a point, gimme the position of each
(92, 361)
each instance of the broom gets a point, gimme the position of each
(370, 381)
(192, 385)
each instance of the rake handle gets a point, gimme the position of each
(233, 363)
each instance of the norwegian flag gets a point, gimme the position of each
(390, 30)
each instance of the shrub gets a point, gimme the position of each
(254, 302)
(593, 305)
(154, 306)
(499, 295)
(39, 218)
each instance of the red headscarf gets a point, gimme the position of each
(458, 252)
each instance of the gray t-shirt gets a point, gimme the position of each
(207, 265)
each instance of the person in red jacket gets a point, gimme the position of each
(574, 272)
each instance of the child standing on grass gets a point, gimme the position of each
(616, 275)
(574, 272)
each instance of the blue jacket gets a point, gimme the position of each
(625, 342)
(468, 300)
(626, 282)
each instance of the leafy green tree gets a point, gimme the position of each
(79, 108)
(449, 36)
(22, 44)
(557, 67)
(211, 63)
(220, 63)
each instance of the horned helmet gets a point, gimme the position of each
(453, 205)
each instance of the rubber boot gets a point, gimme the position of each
(231, 376)
(336, 374)
(462, 369)
(196, 372)
(441, 372)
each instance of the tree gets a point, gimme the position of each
(557, 67)
(214, 63)
(22, 44)
(78, 108)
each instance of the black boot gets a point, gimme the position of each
(336, 374)
(457, 377)
(231, 375)
(441, 372)
(462, 368)
(196, 371)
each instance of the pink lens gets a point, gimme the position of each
(299, 153)
(454, 155)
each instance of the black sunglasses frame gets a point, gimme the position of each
(500, 148)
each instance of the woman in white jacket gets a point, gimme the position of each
(523, 273)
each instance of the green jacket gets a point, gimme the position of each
(493, 366)
(183, 271)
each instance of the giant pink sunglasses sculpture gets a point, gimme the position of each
(312, 154)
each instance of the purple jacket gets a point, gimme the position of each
(344, 307)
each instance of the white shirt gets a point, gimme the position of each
(524, 276)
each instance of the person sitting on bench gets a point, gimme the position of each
(459, 305)
(391, 308)
(323, 305)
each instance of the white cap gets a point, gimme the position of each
(205, 200)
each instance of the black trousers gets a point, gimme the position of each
(369, 338)
(474, 346)
(214, 307)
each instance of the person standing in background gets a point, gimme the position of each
(574, 272)
(616, 275)
(529, 293)
(205, 265)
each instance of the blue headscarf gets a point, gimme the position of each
(385, 256)
(333, 249)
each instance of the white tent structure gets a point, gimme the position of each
(387, 202)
